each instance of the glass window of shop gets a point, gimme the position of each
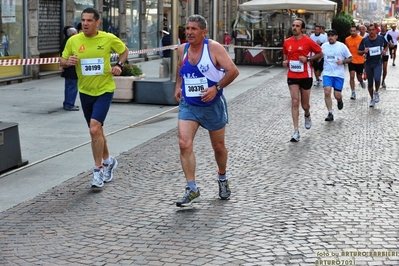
(12, 35)
(81, 5)
(133, 25)
(110, 16)
(152, 34)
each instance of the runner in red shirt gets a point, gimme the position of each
(297, 52)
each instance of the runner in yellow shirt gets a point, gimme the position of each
(90, 52)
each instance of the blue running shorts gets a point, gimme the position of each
(212, 117)
(96, 107)
(334, 82)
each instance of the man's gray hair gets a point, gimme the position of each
(202, 23)
(71, 31)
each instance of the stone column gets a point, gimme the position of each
(33, 33)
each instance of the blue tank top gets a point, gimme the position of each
(200, 76)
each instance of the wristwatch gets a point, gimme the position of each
(308, 59)
(218, 88)
(120, 64)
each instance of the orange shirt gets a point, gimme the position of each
(353, 45)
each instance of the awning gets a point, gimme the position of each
(308, 5)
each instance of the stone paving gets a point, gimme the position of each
(330, 199)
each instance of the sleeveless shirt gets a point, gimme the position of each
(200, 76)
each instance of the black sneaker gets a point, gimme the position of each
(340, 104)
(330, 117)
(224, 189)
(188, 198)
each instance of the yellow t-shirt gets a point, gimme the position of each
(94, 64)
(353, 45)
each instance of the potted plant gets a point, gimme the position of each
(124, 83)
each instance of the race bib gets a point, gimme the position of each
(92, 66)
(331, 58)
(194, 86)
(375, 51)
(296, 66)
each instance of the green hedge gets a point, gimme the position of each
(342, 24)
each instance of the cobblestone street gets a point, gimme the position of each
(332, 197)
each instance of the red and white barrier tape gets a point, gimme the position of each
(55, 60)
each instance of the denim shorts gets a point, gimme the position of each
(96, 107)
(212, 117)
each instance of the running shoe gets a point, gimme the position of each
(308, 122)
(353, 96)
(362, 84)
(224, 189)
(384, 86)
(376, 97)
(316, 83)
(189, 198)
(109, 170)
(330, 117)
(295, 137)
(372, 103)
(340, 104)
(97, 178)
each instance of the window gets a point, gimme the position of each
(12, 35)
(110, 16)
(133, 25)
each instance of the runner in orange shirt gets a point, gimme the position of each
(357, 65)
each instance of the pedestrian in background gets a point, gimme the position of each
(226, 41)
(319, 38)
(96, 85)
(385, 58)
(299, 53)
(336, 55)
(204, 69)
(69, 73)
(166, 54)
(395, 37)
(79, 27)
(5, 42)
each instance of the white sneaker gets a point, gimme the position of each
(97, 178)
(363, 85)
(372, 103)
(376, 97)
(295, 137)
(109, 170)
(308, 122)
(316, 83)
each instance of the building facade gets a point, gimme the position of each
(33, 29)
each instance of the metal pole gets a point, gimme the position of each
(174, 37)
(215, 21)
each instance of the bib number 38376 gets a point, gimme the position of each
(194, 86)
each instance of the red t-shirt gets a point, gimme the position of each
(293, 49)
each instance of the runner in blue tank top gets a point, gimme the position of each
(204, 69)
